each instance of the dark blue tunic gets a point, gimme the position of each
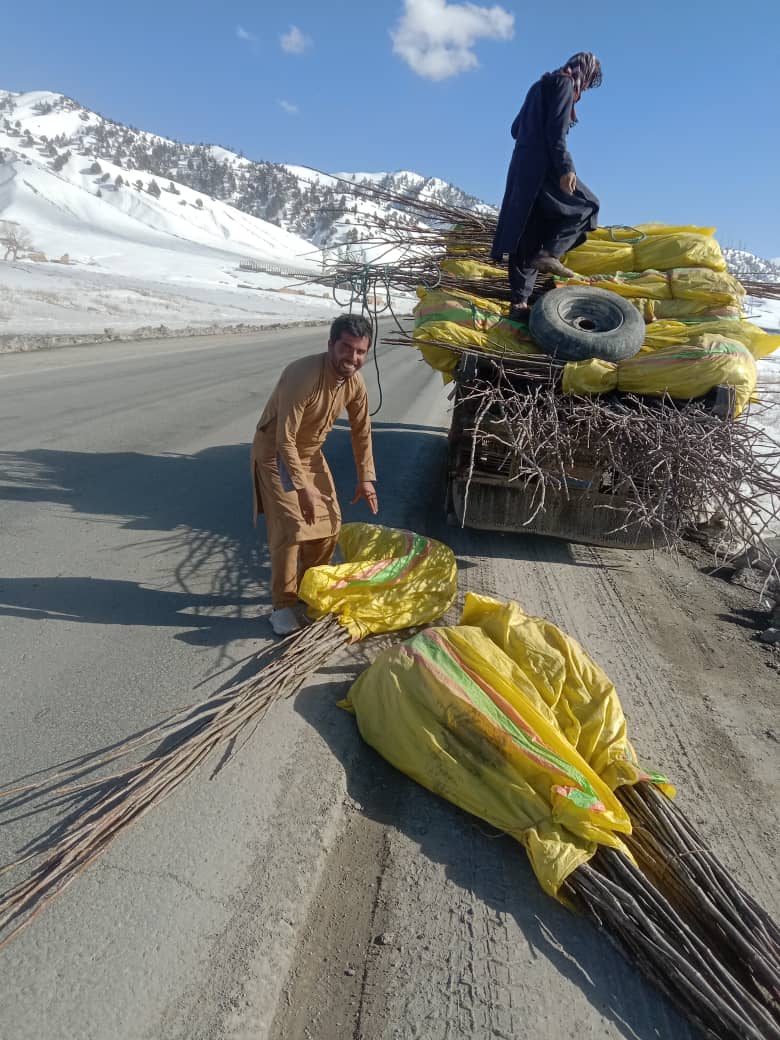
(539, 160)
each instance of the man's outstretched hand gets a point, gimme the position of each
(367, 491)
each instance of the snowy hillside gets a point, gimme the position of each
(406, 182)
(750, 267)
(130, 249)
(308, 204)
(71, 202)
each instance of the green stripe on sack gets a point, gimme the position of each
(428, 648)
(730, 349)
(396, 566)
(459, 315)
(700, 320)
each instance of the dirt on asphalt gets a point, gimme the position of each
(428, 924)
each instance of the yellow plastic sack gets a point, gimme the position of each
(441, 359)
(473, 269)
(672, 333)
(678, 249)
(686, 371)
(648, 246)
(686, 310)
(391, 579)
(460, 319)
(464, 321)
(701, 285)
(601, 257)
(509, 718)
(694, 285)
(626, 233)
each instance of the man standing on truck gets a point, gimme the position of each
(292, 483)
(546, 210)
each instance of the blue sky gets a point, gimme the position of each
(685, 128)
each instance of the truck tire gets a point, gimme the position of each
(574, 324)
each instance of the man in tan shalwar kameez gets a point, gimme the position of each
(292, 483)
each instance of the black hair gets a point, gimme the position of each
(353, 325)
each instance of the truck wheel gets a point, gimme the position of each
(576, 324)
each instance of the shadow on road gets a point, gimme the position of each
(193, 512)
(107, 602)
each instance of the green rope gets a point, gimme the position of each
(637, 235)
(365, 285)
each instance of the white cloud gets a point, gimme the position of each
(435, 38)
(289, 108)
(244, 34)
(294, 42)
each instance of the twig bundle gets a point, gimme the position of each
(762, 290)
(666, 463)
(685, 921)
(425, 230)
(672, 854)
(107, 806)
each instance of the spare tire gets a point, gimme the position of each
(574, 324)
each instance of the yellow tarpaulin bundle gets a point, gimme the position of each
(658, 247)
(509, 718)
(674, 333)
(474, 270)
(464, 321)
(683, 372)
(392, 579)
(685, 310)
(682, 292)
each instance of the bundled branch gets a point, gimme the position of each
(685, 921)
(762, 290)
(456, 226)
(665, 463)
(672, 854)
(420, 226)
(104, 807)
(410, 234)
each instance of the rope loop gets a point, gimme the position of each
(636, 236)
(366, 284)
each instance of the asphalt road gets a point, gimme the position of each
(249, 903)
(133, 582)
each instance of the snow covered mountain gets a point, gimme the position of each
(145, 228)
(749, 267)
(69, 200)
(57, 133)
(130, 250)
